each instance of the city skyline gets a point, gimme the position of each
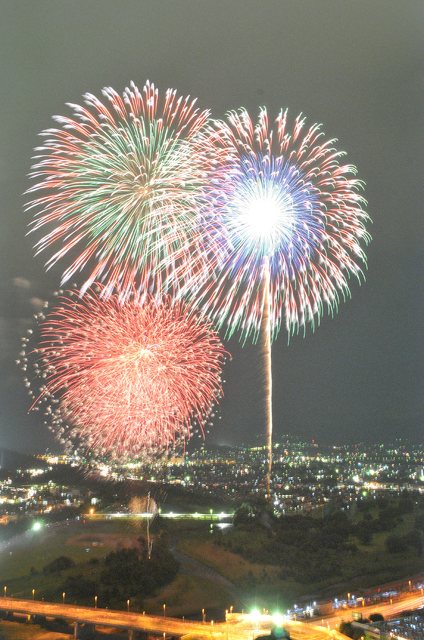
(359, 376)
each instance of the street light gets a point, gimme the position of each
(95, 602)
(164, 609)
(63, 597)
(203, 616)
(128, 605)
(33, 594)
(5, 590)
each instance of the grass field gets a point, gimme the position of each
(371, 565)
(227, 563)
(188, 595)
(83, 541)
(21, 564)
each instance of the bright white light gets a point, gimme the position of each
(255, 615)
(263, 216)
(36, 526)
(278, 619)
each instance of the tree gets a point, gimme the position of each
(244, 514)
(79, 587)
(376, 617)
(415, 539)
(58, 564)
(395, 544)
(130, 572)
(364, 534)
(350, 631)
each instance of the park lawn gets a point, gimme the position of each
(229, 564)
(186, 595)
(22, 631)
(78, 540)
(83, 542)
(372, 565)
(379, 538)
(45, 584)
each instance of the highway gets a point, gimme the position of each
(388, 609)
(237, 627)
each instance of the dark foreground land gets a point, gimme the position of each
(258, 560)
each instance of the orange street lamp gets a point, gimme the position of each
(203, 616)
(33, 594)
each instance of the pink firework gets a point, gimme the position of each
(127, 377)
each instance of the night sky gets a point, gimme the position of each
(356, 66)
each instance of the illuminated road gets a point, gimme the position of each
(212, 516)
(238, 627)
(241, 628)
(388, 610)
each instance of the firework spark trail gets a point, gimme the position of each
(128, 377)
(119, 190)
(289, 200)
(286, 232)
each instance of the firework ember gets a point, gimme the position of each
(288, 206)
(127, 377)
(119, 190)
(287, 232)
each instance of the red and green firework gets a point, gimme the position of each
(119, 190)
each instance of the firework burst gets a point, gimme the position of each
(289, 206)
(286, 233)
(119, 189)
(126, 378)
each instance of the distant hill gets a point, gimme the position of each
(12, 460)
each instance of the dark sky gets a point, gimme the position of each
(357, 67)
